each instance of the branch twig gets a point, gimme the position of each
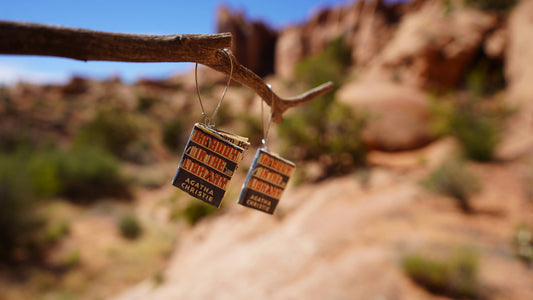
(86, 45)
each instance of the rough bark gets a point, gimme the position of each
(87, 45)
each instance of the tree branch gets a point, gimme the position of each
(86, 45)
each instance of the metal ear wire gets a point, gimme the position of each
(211, 121)
(226, 51)
(265, 131)
(206, 118)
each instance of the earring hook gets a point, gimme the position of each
(265, 131)
(207, 120)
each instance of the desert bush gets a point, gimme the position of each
(89, 173)
(72, 259)
(523, 244)
(112, 129)
(130, 227)
(43, 171)
(140, 152)
(496, 5)
(224, 115)
(15, 137)
(145, 103)
(329, 65)
(452, 179)
(485, 76)
(477, 125)
(11, 139)
(197, 210)
(56, 231)
(251, 128)
(158, 278)
(19, 223)
(7, 106)
(28, 176)
(82, 174)
(324, 130)
(455, 276)
(174, 134)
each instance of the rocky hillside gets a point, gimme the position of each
(342, 239)
(412, 50)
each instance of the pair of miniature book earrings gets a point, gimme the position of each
(212, 156)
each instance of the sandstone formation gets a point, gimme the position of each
(433, 48)
(253, 42)
(519, 76)
(365, 26)
(289, 51)
(421, 43)
(520, 50)
(336, 240)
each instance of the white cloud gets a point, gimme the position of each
(11, 74)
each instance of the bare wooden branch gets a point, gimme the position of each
(256, 83)
(87, 45)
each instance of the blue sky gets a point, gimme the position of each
(150, 17)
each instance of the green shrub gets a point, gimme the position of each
(114, 130)
(139, 152)
(130, 227)
(82, 174)
(144, 104)
(90, 173)
(43, 171)
(224, 115)
(19, 223)
(456, 276)
(174, 134)
(452, 179)
(485, 77)
(7, 105)
(56, 231)
(197, 210)
(523, 244)
(497, 5)
(329, 65)
(477, 125)
(158, 278)
(324, 130)
(11, 139)
(28, 176)
(72, 259)
(251, 128)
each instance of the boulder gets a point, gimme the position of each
(398, 116)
